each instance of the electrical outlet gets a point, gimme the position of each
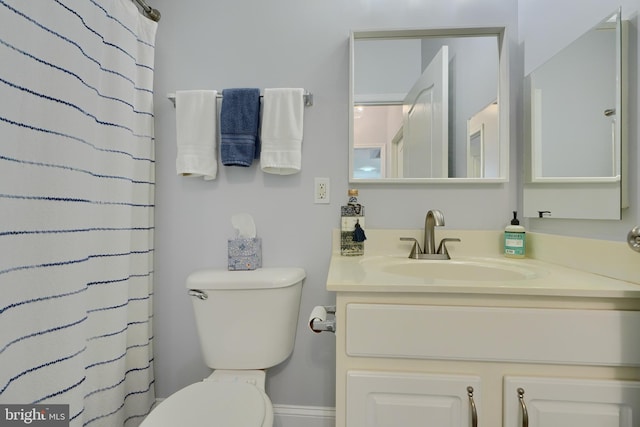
(321, 190)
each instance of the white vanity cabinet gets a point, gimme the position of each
(533, 401)
(409, 399)
(414, 359)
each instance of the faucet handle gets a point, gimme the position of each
(442, 248)
(416, 246)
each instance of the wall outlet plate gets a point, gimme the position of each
(321, 190)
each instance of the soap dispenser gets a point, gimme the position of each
(514, 239)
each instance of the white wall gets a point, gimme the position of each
(385, 69)
(205, 44)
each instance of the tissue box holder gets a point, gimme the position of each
(245, 254)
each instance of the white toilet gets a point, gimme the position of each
(247, 322)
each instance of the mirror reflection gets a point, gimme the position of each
(425, 106)
(574, 108)
(576, 120)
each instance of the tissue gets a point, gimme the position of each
(244, 225)
(318, 313)
(244, 250)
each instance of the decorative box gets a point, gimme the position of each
(245, 253)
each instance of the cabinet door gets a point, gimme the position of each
(556, 402)
(407, 399)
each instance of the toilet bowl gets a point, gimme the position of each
(246, 323)
(215, 402)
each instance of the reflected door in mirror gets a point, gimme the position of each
(570, 96)
(425, 113)
(577, 115)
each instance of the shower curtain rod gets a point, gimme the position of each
(151, 13)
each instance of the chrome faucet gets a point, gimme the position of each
(434, 218)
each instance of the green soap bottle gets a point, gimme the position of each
(515, 239)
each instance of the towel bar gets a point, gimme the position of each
(308, 98)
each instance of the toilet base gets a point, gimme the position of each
(255, 377)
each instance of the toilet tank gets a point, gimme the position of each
(246, 319)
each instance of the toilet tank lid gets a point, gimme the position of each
(261, 278)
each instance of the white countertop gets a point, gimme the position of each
(359, 273)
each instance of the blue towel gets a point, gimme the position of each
(239, 123)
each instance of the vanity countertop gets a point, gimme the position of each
(359, 274)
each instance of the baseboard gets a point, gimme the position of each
(303, 416)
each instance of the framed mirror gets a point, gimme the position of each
(576, 117)
(429, 106)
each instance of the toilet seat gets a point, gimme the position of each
(217, 403)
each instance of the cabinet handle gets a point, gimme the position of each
(525, 414)
(472, 404)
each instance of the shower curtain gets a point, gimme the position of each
(76, 208)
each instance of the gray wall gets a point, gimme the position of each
(568, 96)
(205, 44)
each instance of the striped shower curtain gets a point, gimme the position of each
(76, 208)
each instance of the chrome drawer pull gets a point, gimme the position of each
(472, 404)
(525, 414)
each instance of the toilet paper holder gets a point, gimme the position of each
(318, 321)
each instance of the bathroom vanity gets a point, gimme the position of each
(487, 341)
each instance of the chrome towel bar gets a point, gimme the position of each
(308, 98)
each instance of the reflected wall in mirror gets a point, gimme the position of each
(428, 106)
(573, 109)
(576, 123)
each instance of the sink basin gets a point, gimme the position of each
(468, 270)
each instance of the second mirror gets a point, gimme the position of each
(426, 106)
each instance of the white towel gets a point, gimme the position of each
(196, 118)
(282, 128)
